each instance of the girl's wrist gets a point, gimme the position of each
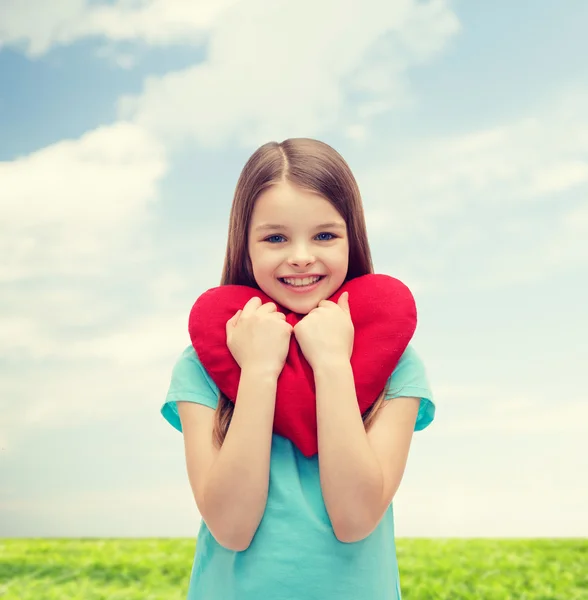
(261, 372)
(331, 366)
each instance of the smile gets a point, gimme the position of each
(301, 282)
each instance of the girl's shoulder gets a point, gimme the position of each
(189, 369)
(189, 383)
(409, 379)
(410, 357)
(410, 366)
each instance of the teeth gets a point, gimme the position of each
(301, 282)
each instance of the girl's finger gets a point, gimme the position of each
(235, 318)
(269, 307)
(252, 305)
(344, 301)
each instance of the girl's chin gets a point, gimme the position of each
(302, 306)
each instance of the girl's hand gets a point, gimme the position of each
(325, 334)
(259, 337)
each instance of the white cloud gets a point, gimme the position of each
(568, 246)
(495, 462)
(40, 26)
(273, 70)
(70, 216)
(506, 203)
(123, 60)
(469, 409)
(95, 391)
(530, 158)
(521, 417)
(80, 383)
(68, 208)
(277, 70)
(141, 342)
(170, 22)
(559, 176)
(80, 325)
(81, 357)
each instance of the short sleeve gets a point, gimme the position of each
(409, 379)
(191, 383)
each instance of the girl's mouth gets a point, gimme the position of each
(301, 284)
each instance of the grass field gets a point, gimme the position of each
(158, 569)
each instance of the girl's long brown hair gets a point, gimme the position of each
(311, 165)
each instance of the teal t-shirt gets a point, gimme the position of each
(295, 554)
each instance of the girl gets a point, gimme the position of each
(277, 525)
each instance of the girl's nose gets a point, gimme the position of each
(301, 260)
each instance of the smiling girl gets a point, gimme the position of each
(276, 524)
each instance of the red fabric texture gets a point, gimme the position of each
(384, 317)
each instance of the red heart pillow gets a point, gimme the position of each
(383, 312)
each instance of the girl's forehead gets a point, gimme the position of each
(278, 204)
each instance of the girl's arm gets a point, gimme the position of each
(230, 484)
(360, 472)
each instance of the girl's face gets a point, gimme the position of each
(298, 247)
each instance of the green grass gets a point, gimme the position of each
(493, 569)
(159, 569)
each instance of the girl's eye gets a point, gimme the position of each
(325, 237)
(274, 239)
(321, 237)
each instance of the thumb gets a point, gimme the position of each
(344, 301)
(234, 319)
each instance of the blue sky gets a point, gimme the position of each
(123, 128)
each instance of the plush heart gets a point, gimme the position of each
(384, 318)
